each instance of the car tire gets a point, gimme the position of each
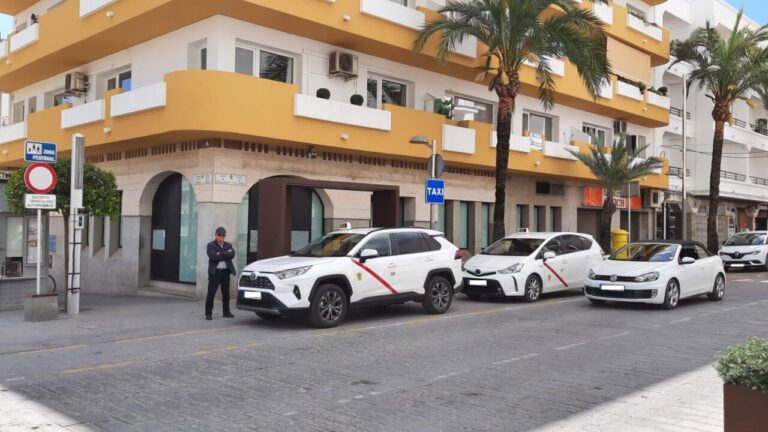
(328, 307)
(438, 295)
(597, 302)
(473, 296)
(671, 295)
(718, 290)
(267, 316)
(533, 287)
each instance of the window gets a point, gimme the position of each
(32, 104)
(198, 55)
(272, 66)
(14, 247)
(556, 245)
(539, 218)
(19, 113)
(522, 217)
(429, 243)
(555, 215)
(546, 188)
(635, 143)
(463, 225)
(599, 135)
(688, 252)
(408, 243)
(379, 243)
(120, 220)
(485, 224)
(701, 252)
(537, 125)
(440, 225)
(105, 224)
(400, 2)
(472, 109)
(382, 90)
(121, 80)
(572, 244)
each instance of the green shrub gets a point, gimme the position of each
(746, 365)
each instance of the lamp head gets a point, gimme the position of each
(419, 139)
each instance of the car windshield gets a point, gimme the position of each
(746, 239)
(514, 247)
(331, 245)
(653, 252)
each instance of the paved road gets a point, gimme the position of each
(144, 364)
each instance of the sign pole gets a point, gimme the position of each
(39, 249)
(75, 236)
(434, 165)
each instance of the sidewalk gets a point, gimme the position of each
(18, 414)
(688, 402)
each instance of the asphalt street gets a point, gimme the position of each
(148, 364)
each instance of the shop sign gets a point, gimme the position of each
(202, 179)
(230, 179)
(595, 197)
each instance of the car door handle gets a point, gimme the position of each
(392, 265)
(428, 259)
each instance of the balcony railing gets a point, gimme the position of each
(728, 175)
(740, 123)
(761, 129)
(678, 172)
(677, 112)
(759, 181)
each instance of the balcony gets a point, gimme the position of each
(604, 11)
(628, 90)
(658, 100)
(26, 37)
(638, 24)
(746, 134)
(736, 185)
(634, 32)
(675, 126)
(288, 119)
(375, 27)
(680, 9)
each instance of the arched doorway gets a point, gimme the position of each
(174, 231)
(307, 212)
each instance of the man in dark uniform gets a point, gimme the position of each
(220, 267)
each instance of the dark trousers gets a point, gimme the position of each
(220, 277)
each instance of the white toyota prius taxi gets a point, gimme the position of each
(657, 271)
(529, 264)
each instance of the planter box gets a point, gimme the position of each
(746, 410)
(44, 307)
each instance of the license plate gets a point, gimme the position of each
(736, 265)
(478, 282)
(612, 287)
(255, 295)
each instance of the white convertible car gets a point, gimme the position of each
(660, 272)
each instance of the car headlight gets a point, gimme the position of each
(285, 274)
(591, 274)
(515, 268)
(751, 253)
(648, 277)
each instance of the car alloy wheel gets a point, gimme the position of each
(532, 288)
(672, 295)
(441, 294)
(438, 294)
(331, 306)
(718, 291)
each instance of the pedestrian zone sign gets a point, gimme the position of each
(35, 151)
(40, 201)
(435, 191)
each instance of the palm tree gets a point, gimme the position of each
(613, 171)
(516, 31)
(728, 69)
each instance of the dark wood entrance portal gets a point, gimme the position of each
(274, 211)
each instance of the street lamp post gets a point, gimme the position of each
(421, 140)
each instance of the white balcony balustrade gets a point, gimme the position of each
(83, 114)
(658, 100)
(341, 112)
(604, 11)
(628, 90)
(138, 100)
(459, 139)
(14, 132)
(648, 29)
(87, 7)
(24, 38)
(393, 12)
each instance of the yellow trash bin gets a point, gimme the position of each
(619, 238)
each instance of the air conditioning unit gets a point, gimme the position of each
(342, 64)
(654, 198)
(619, 127)
(76, 82)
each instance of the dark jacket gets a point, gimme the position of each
(217, 253)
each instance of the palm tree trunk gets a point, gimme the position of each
(714, 186)
(503, 131)
(606, 215)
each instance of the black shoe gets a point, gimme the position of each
(208, 317)
(228, 315)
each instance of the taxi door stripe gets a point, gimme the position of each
(556, 275)
(376, 276)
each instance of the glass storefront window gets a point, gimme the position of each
(32, 241)
(440, 225)
(188, 234)
(484, 224)
(317, 216)
(14, 237)
(463, 225)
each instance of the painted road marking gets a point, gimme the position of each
(514, 359)
(614, 336)
(186, 333)
(680, 320)
(215, 350)
(44, 350)
(98, 367)
(569, 346)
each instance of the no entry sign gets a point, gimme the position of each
(40, 178)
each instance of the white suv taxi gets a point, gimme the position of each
(354, 268)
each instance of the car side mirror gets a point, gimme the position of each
(687, 260)
(606, 256)
(367, 254)
(549, 255)
(725, 242)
